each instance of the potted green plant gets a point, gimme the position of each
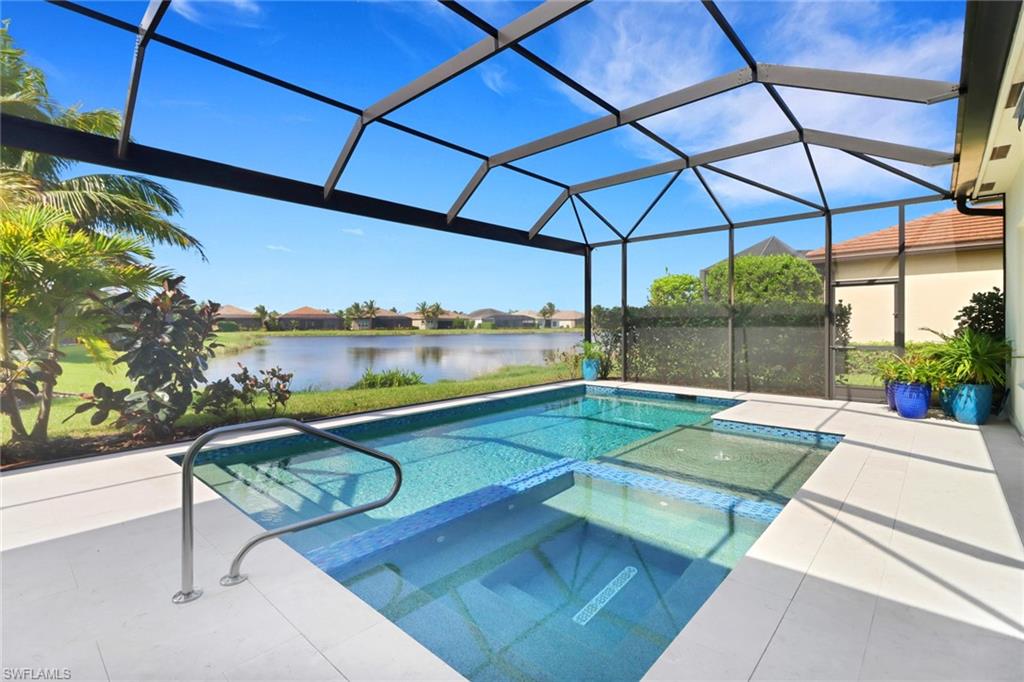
(977, 362)
(592, 356)
(889, 372)
(912, 390)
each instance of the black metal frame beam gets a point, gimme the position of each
(790, 217)
(155, 12)
(562, 78)
(45, 138)
(519, 29)
(286, 85)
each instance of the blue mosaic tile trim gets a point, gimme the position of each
(381, 537)
(378, 427)
(362, 545)
(615, 391)
(819, 438)
(721, 402)
(741, 506)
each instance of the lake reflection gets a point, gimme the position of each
(326, 362)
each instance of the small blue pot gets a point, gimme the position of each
(946, 397)
(591, 368)
(973, 403)
(912, 399)
(890, 396)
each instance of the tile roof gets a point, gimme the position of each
(228, 310)
(382, 312)
(948, 228)
(486, 312)
(306, 311)
(445, 315)
(567, 315)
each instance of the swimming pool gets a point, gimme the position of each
(548, 532)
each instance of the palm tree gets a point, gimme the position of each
(547, 312)
(50, 277)
(423, 308)
(99, 202)
(436, 311)
(262, 315)
(369, 310)
(352, 313)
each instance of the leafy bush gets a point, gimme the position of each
(217, 398)
(221, 397)
(777, 278)
(227, 326)
(389, 378)
(672, 289)
(971, 357)
(985, 314)
(166, 343)
(569, 359)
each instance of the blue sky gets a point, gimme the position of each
(284, 256)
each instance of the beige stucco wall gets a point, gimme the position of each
(1015, 294)
(938, 285)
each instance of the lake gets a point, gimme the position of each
(328, 362)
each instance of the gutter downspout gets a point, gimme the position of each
(961, 205)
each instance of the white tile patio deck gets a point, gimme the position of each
(898, 559)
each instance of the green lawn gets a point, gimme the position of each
(77, 436)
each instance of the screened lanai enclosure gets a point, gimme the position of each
(744, 327)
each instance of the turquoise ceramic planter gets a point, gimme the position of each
(912, 399)
(973, 403)
(946, 397)
(591, 368)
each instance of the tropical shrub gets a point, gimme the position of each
(276, 385)
(50, 278)
(970, 357)
(389, 378)
(569, 360)
(776, 278)
(672, 289)
(985, 314)
(165, 343)
(221, 397)
(227, 326)
(217, 398)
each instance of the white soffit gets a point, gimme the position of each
(996, 176)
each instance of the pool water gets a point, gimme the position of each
(575, 579)
(568, 534)
(284, 483)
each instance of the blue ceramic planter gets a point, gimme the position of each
(591, 369)
(912, 399)
(973, 403)
(890, 396)
(946, 397)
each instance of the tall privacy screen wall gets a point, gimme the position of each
(725, 339)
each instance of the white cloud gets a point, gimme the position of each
(355, 231)
(495, 77)
(278, 247)
(634, 52)
(197, 11)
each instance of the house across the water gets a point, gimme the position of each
(245, 319)
(309, 318)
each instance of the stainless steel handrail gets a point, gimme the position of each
(189, 592)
